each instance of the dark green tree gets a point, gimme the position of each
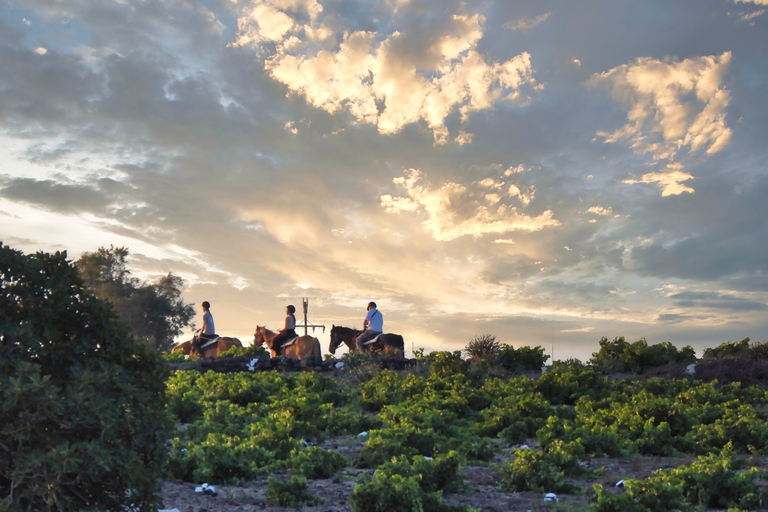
(156, 313)
(82, 409)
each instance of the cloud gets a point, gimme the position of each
(670, 181)
(714, 300)
(389, 80)
(526, 24)
(671, 104)
(454, 210)
(756, 2)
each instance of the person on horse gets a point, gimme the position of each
(288, 332)
(207, 332)
(373, 325)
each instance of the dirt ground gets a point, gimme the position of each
(334, 492)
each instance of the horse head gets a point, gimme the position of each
(335, 341)
(258, 337)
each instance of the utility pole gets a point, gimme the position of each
(306, 324)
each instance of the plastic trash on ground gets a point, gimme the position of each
(362, 434)
(550, 496)
(620, 483)
(206, 489)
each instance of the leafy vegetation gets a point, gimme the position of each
(83, 424)
(88, 432)
(156, 313)
(621, 356)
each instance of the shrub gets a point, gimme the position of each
(249, 351)
(315, 462)
(397, 493)
(438, 474)
(446, 363)
(533, 470)
(620, 356)
(729, 348)
(83, 424)
(483, 347)
(292, 493)
(522, 359)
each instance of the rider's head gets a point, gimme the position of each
(291, 309)
(371, 305)
(206, 304)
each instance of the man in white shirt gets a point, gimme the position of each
(373, 325)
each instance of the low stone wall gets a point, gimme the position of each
(259, 364)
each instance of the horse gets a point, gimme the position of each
(211, 349)
(302, 347)
(386, 342)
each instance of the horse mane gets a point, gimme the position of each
(344, 330)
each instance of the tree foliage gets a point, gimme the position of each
(82, 416)
(155, 312)
(621, 356)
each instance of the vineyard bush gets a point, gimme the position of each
(422, 426)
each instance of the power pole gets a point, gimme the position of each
(306, 324)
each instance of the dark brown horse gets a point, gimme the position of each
(211, 349)
(302, 348)
(386, 342)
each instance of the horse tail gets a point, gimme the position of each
(316, 350)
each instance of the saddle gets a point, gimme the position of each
(373, 340)
(203, 342)
(290, 342)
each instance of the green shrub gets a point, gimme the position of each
(620, 356)
(522, 359)
(639, 496)
(397, 493)
(437, 474)
(483, 347)
(446, 363)
(83, 422)
(249, 351)
(534, 470)
(315, 462)
(728, 349)
(563, 384)
(292, 493)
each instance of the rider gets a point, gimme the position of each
(287, 332)
(373, 325)
(207, 332)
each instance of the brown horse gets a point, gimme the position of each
(302, 348)
(211, 349)
(386, 342)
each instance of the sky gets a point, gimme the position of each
(546, 172)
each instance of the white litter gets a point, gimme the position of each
(362, 434)
(340, 364)
(206, 489)
(620, 483)
(169, 510)
(524, 447)
(691, 369)
(550, 496)
(252, 364)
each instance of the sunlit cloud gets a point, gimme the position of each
(381, 79)
(454, 210)
(670, 180)
(671, 104)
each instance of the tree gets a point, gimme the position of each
(156, 312)
(82, 409)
